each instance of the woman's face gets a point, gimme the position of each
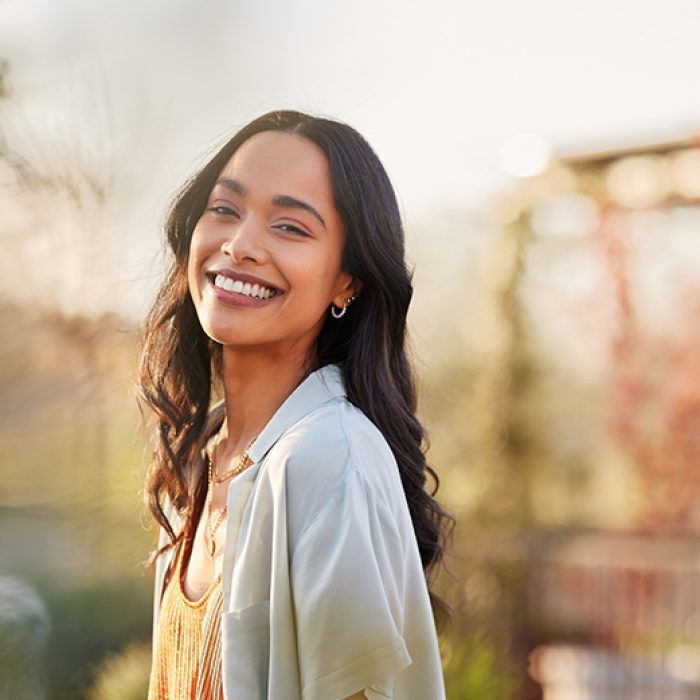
(264, 260)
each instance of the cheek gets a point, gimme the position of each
(193, 259)
(332, 275)
(316, 278)
(195, 241)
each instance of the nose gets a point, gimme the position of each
(246, 242)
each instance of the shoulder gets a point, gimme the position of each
(319, 453)
(333, 439)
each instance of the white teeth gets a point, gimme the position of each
(255, 290)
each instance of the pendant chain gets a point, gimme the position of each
(241, 464)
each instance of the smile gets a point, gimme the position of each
(246, 288)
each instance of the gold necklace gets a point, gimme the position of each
(240, 465)
(241, 462)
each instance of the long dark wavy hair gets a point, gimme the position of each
(180, 364)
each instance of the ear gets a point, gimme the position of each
(348, 287)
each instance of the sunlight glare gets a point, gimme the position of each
(524, 155)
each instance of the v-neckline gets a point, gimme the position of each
(183, 562)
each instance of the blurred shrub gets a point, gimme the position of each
(123, 675)
(24, 628)
(476, 671)
(485, 650)
(90, 621)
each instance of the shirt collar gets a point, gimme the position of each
(319, 387)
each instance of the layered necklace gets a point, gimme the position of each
(239, 465)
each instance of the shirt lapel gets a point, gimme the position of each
(318, 388)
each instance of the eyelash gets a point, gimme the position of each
(293, 229)
(229, 211)
(223, 211)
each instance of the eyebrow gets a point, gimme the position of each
(279, 200)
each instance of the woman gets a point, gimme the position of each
(296, 531)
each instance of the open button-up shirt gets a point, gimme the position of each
(324, 591)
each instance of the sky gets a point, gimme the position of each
(139, 93)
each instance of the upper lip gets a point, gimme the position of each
(244, 278)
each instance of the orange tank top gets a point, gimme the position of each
(187, 656)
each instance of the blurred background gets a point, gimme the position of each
(547, 160)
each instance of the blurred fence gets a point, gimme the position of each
(632, 605)
(594, 616)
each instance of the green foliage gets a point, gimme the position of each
(23, 633)
(123, 675)
(476, 671)
(88, 622)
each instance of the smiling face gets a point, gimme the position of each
(264, 258)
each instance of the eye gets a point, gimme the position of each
(290, 228)
(222, 210)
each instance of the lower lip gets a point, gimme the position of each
(236, 299)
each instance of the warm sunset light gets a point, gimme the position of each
(545, 165)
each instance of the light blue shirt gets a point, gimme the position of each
(324, 591)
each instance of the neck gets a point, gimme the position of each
(255, 386)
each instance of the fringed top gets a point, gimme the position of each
(187, 656)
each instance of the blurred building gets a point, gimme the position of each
(607, 280)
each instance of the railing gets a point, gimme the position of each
(622, 614)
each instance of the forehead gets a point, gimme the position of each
(277, 162)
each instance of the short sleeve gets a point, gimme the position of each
(347, 584)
